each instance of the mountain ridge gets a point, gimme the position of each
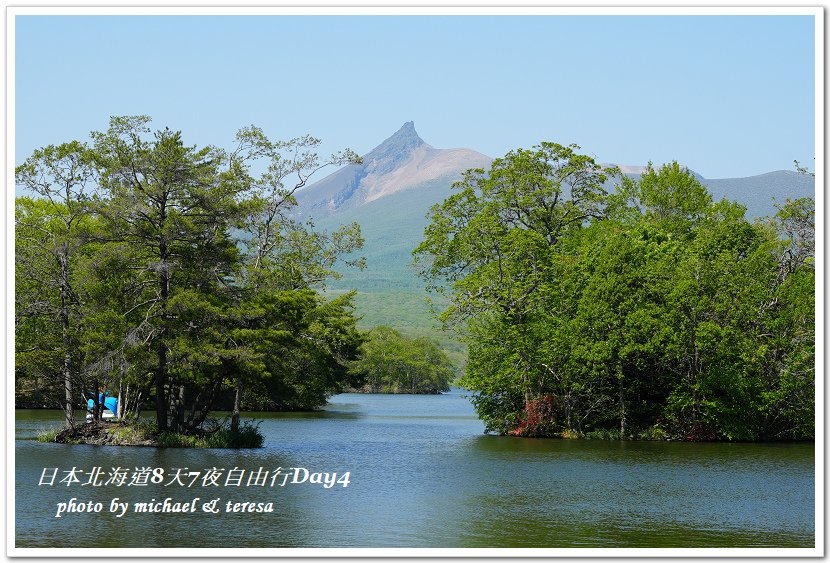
(402, 161)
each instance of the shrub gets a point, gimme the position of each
(139, 432)
(248, 436)
(604, 434)
(654, 433)
(48, 435)
(538, 418)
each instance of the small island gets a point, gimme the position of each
(393, 363)
(598, 304)
(388, 363)
(145, 433)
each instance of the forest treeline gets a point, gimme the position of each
(646, 311)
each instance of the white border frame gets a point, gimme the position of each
(374, 8)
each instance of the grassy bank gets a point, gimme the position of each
(146, 434)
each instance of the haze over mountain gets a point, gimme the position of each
(761, 193)
(758, 193)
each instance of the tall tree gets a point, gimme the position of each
(491, 247)
(173, 206)
(50, 233)
(279, 251)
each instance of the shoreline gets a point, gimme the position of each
(143, 434)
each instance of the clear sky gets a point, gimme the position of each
(725, 95)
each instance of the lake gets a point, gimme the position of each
(421, 474)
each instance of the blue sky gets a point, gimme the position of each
(725, 95)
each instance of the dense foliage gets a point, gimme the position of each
(161, 271)
(392, 363)
(651, 311)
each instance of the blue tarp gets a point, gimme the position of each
(110, 403)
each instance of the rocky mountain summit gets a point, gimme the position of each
(403, 161)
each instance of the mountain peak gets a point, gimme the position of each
(407, 130)
(408, 126)
(403, 142)
(402, 161)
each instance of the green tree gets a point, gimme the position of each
(298, 348)
(491, 240)
(786, 341)
(50, 234)
(392, 363)
(491, 249)
(174, 207)
(280, 252)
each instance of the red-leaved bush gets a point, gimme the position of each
(538, 418)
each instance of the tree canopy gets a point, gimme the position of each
(392, 363)
(647, 310)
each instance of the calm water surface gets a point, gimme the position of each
(424, 475)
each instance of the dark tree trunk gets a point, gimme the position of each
(66, 366)
(237, 399)
(119, 409)
(96, 400)
(622, 410)
(174, 407)
(161, 369)
(161, 377)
